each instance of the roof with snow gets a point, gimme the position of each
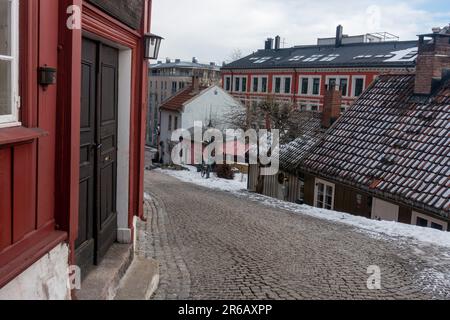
(378, 54)
(393, 144)
(310, 129)
(183, 65)
(176, 103)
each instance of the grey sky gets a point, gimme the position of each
(211, 29)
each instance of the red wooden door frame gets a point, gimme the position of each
(102, 25)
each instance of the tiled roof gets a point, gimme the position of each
(311, 132)
(382, 54)
(176, 103)
(393, 144)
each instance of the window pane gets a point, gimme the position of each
(359, 87)
(422, 222)
(237, 85)
(5, 27)
(343, 84)
(255, 84)
(316, 86)
(244, 85)
(287, 85)
(264, 85)
(437, 226)
(277, 85)
(5, 88)
(305, 82)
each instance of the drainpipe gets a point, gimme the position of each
(296, 84)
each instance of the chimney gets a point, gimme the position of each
(194, 60)
(331, 106)
(177, 60)
(339, 35)
(269, 44)
(196, 84)
(168, 60)
(277, 43)
(433, 60)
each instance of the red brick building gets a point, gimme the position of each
(73, 82)
(298, 75)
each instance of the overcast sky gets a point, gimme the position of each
(212, 29)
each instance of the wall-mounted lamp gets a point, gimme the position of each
(152, 45)
(47, 76)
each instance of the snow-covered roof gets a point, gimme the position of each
(310, 130)
(392, 143)
(393, 54)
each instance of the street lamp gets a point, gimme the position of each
(152, 45)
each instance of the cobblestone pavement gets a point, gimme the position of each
(215, 245)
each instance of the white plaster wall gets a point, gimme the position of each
(214, 104)
(166, 135)
(123, 147)
(47, 279)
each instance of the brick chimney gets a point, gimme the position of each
(196, 84)
(332, 106)
(433, 59)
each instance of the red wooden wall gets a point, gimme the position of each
(27, 165)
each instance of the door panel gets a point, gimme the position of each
(107, 157)
(85, 244)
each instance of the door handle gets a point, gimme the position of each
(95, 146)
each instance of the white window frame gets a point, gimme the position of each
(12, 120)
(260, 81)
(241, 79)
(316, 192)
(310, 86)
(430, 220)
(225, 84)
(354, 78)
(338, 82)
(282, 86)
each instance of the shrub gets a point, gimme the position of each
(224, 171)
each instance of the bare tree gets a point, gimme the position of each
(270, 114)
(235, 55)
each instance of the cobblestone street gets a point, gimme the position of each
(216, 245)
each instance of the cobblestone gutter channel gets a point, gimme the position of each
(154, 242)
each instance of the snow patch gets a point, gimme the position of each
(192, 176)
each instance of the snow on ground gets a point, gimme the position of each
(192, 176)
(372, 228)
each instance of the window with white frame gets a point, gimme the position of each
(421, 220)
(324, 195)
(9, 64)
(282, 84)
(310, 86)
(358, 84)
(342, 81)
(259, 84)
(309, 106)
(240, 84)
(227, 83)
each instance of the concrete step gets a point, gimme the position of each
(140, 281)
(101, 283)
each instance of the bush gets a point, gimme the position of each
(224, 171)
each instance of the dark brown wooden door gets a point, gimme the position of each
(107, 122)
(98, 153)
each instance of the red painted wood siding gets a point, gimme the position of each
(5, 199)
